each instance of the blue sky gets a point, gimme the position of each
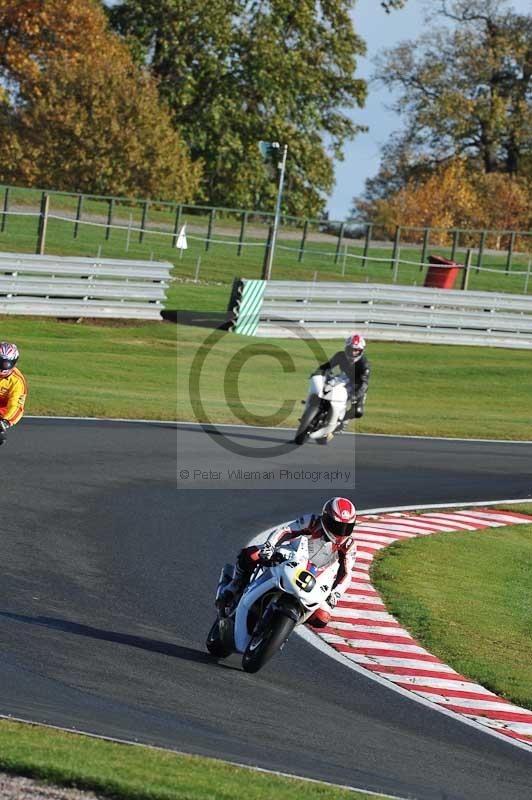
(379, 30)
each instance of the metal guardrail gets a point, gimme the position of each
(82, 287)
(403, 295)
(385, 312)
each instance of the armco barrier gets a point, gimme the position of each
(82, 287)
(382, 311)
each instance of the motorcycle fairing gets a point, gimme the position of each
(283, 578)
(334, 391)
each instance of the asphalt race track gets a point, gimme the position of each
(109, 563)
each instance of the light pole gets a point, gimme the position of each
(270, 150)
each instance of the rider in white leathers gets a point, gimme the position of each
(329, 539)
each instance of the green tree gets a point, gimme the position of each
(463, 91)
(236, 72)
(84, 117)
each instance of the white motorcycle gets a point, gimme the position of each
(281, 594)
(325, 407)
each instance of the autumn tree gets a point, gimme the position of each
(503, 203)
(34, 32)
(454, 196)
(79, 114)
(463, 91)
(443, 200)
(236, 72)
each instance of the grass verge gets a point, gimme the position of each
(466, 597)
(247, 381)
(220, 259)
(132, 772)
(96, 370)
(129, 370)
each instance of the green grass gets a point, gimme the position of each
(96, 370)
(127, 771)
(409, 388)
(521, 508)
(466, 597)
(221, 262)
(199, 297)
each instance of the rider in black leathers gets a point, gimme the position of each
(355, 365)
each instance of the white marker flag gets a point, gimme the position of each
(181, 243)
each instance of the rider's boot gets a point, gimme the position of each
(235, 587)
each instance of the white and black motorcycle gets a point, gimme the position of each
(325, 407)
(281, 594)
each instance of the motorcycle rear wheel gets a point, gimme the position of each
(214, 643)
(263, 646)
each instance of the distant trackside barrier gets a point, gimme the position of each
(381, 311)
(82, 287)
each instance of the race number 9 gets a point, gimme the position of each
(305, 580)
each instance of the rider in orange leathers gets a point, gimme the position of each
(13, 389)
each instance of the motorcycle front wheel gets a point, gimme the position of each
(306, 421)
(266, 643)
(214, 643)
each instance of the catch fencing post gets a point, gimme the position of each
(4, 213)
(396, 266)
(395, 251)
(243, 223)
(339, 242)
(369, 229)
(129, 226)
(527, 276)
(467, 268)
(143, 221)
(511, 244)
(303, 241)
(43, 221)
(425, 247)
(456, 234)
(481, 250)
(109, 217)
(210, 229)
(78, 215)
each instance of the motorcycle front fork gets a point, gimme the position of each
(226, 576)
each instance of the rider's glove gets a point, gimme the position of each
(266, 551)
(333, 599)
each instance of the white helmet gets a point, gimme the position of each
(338, 517)
(8, 358)
(354, 347)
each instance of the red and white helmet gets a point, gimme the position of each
(354, 347)
(8, 358)
(338, 517)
